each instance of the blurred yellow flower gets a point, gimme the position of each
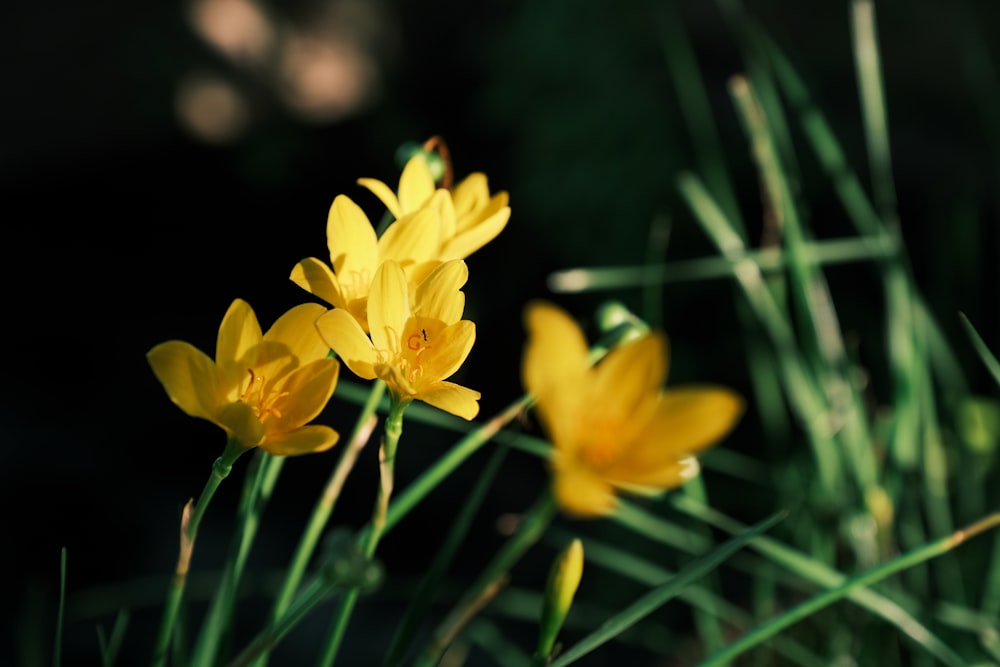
(613, 427)
(356, 252)
(262, 389)
(470, 216)
(416, 343)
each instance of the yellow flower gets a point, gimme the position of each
(470, 216)
(415, 343)
(262, 389)
(356, 252)
(613, 427)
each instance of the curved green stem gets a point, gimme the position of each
(190, 520)
(324, 506)
(369, 540)
(491, 579)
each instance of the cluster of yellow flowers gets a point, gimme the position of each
(396, 315)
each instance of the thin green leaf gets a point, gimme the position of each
(662, 594)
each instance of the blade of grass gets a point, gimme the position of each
(629, 565)
(823, 575)
(984, 352)
(814, 604)
(423, 597)
(110, 646)
(662, 594)
(57, 641)
(806, 398)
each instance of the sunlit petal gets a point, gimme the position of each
(302, 395)
(296, 329)
(416, 184)
(344, 335)
(556, 351)
(238, 333)
(628, 373)
(439, 296)
(691, 418)
(456, 399)
(388, 306)
(582, 494)
(449, 350)
(385, 195)
(315, 277)
(466, 242)
(351, 240)
(413, 239)
(240, 421)
(306, 440)
(188, 375)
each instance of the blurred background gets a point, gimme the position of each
(161, 159)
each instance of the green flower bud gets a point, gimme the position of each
(564, 578)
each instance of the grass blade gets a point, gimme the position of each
(660, 595)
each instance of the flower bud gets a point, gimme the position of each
(564, 578)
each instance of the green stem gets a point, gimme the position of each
(490, 580)
(393, 430)
(809, 607)
(257, 489)
(324, 506)
(190, 520)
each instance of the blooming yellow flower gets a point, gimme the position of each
(470, 216)
(262, 389)
(356, 252)
(415, 344)
(613, 426)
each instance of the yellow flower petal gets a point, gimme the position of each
(464, 243)
(448, 351)
(306, 440)
(239, 333)
(315, 277)
(412, 239)
(296, 329)
(188, 375)
(691, 418)
(302, 395)
(388, 306)
(556, 352)
(241, 422)
(629, 373)
(450, 397)
(582, 494)
(352, 242)
(439, 295)
(385, 195)
(653, 481)
(416, 184)
(344, 335)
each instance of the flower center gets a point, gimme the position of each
(257, 396)
(407, 350)
(601, 443)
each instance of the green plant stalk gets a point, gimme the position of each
(57, 645)
(830, 363)
(801, 611)
(324, 506)
(827, 252)
(827, 577)
(663, 593)
(257, 490)
(485, 587)
(871, 92)
(422, 598)
(190, 520)
(370, 538)
(801, 388)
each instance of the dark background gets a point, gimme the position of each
(124, 228)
